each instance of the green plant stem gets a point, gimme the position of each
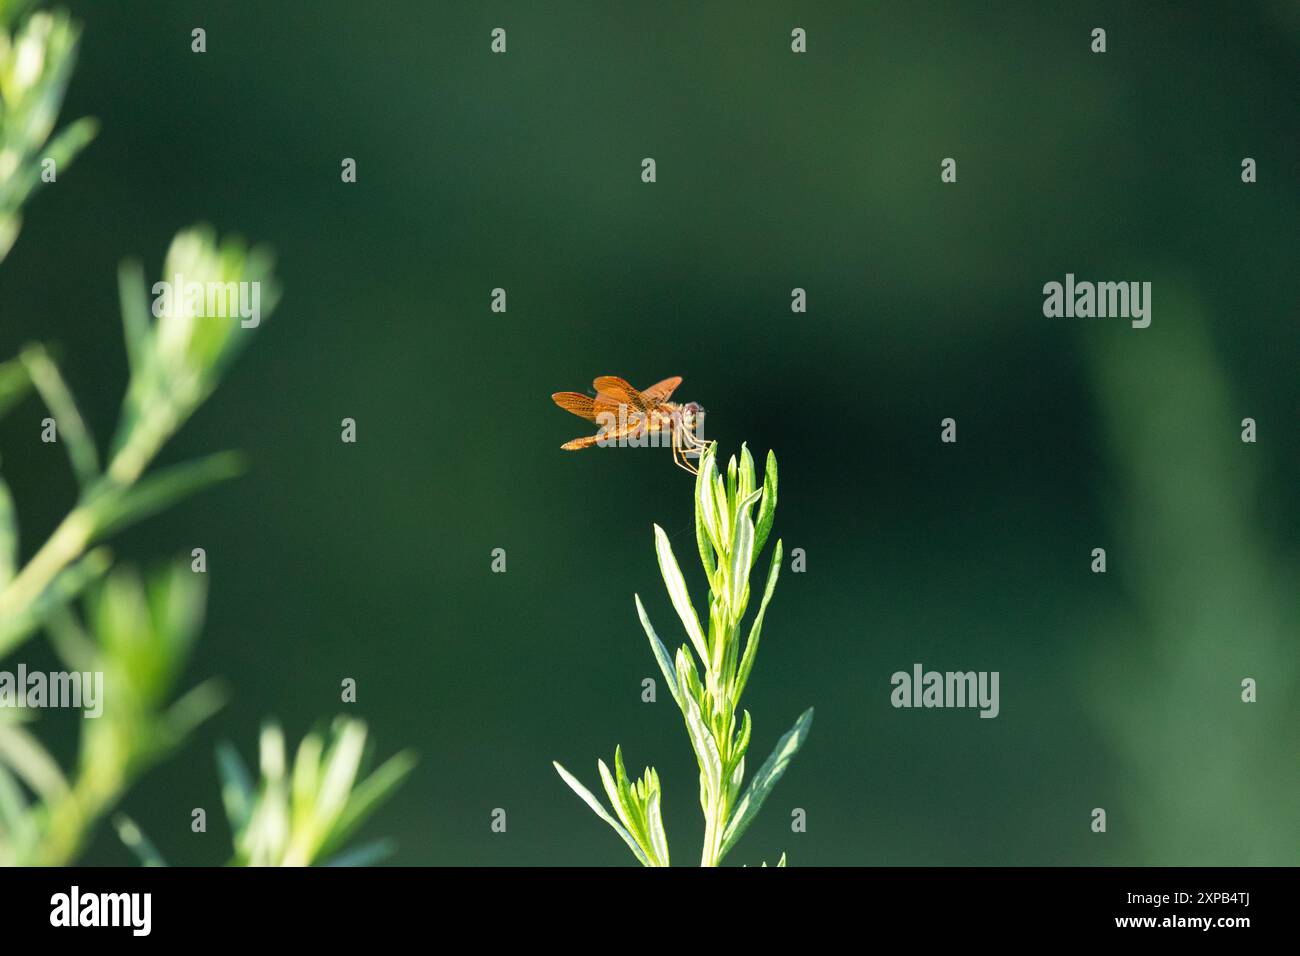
(715, 821)
(157, 424)
(77, 530)
(72, 818)
(65, 546)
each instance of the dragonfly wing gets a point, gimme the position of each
(612, 390)
(660, 392)
(581, 405)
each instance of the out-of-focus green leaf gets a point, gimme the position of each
(13, 802)
(133, 301)
(8, 535)
(133, 837)
(14, 384)
(236, 786)
(62, 591)
(191, 709)
(178, 357)
(76, 648)
(35, 65)
(23, 753)
(113, 512)
(367, 854)
(299, 818)
(368, 795)
(11, 10)
(58, 399)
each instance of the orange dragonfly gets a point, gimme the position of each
(629, 417)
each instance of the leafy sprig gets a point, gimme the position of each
(175, 363)
(36, 62)
(138, 633)
(303, 815)
(709, 673)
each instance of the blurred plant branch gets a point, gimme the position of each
(36, 61)
(302, 815)
(176, 362)
(138, 634)
(1211, 600)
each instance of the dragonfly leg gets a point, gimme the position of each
(679, 454)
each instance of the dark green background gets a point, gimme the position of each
(774, 171)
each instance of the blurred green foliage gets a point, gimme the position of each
(1212, 601)
(36, 61)
(137, 637)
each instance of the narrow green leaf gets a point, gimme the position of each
(31, 762)
(767, 508)
(660, 653)
(76, 648)
(687, 677)
(741, 552)
(61, 591)
(69, 141)
(236, 786)
(133, 299)
(58, 399)
(11, 224)
(624, 802)
(741, 746)
(191, 709)
(732, 484)
(589, 799)
(706, 748)
(306, 774)
(702, 533)
(628, 799)
(736, 779)
(16, 822)
(8, 536)
(676, 584)
(706, 505)
(15, 383)
(658, 837)
(748, 806)
(368, 795)
(129, 832)
(725, 514)
(341, 764)
(368, 854)
(746, 473)
(160, 491)
(624, 812)
(11, 10)
(756, 630)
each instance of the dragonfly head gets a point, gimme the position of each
(692, 416)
